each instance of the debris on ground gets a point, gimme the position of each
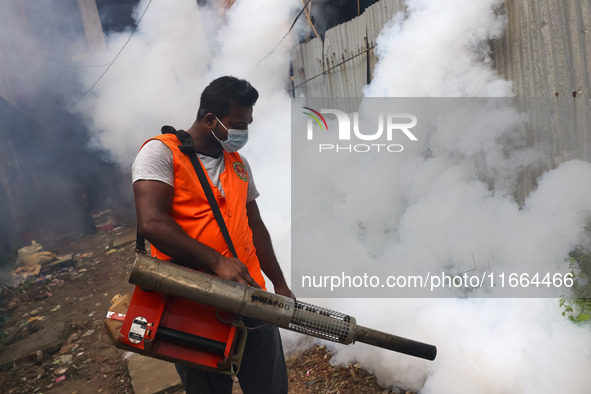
(32, 260)
(311, 372)
(58, 314)
(50, 319)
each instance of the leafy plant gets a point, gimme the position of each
(578, 308)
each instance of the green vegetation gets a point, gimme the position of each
(578, 307)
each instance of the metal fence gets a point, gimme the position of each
(545, 52)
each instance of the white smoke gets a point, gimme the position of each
(438, 49)
(176, 51)
(151, 82)
(484, 346)
(445, 215)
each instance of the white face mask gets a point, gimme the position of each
(236, 138)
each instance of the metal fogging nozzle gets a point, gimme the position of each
(168, 278)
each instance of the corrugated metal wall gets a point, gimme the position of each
(547, 47)
(350, 40)
(546, 52)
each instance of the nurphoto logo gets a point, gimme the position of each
(389, 126)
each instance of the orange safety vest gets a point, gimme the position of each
(191, 210)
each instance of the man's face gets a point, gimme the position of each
(237, 118)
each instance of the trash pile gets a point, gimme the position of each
(32, 260)
(52, 305)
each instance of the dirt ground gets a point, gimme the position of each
(80, 295)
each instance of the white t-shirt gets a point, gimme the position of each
(154, 162)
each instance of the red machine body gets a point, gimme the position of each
(179, 330)
(188, 326)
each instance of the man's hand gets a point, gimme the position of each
(284, 291)
(233, 269)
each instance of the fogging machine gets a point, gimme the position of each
(186, 316)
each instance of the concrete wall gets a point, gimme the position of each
(17, 29)
(92, 25)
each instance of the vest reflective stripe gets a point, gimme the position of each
(191, 210)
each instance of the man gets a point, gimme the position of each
(175, 216)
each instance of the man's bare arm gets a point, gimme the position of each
(265, 252)
(153, 201)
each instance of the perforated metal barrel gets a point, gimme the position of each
(322, 323)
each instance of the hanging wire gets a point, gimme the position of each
(114, 59)
(292, 25)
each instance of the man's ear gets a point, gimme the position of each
(210, 120)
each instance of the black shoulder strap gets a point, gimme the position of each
(212, 201)
(187, 148)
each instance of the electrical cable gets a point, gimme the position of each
(116, 56)
(280, 41)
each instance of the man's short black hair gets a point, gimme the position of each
(218, 96)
